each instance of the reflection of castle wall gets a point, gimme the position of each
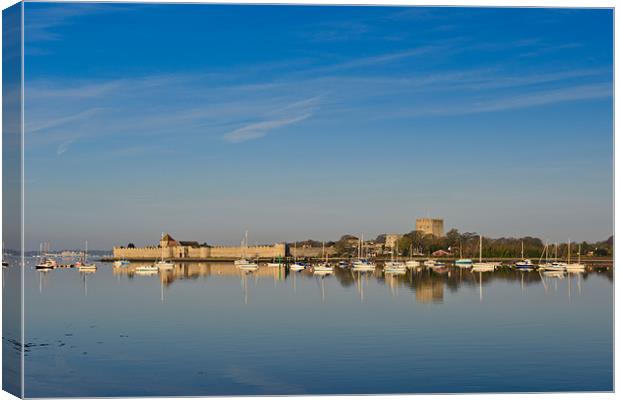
(194, 270)
(202, 252)
(429, 292)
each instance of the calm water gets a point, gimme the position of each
(207, 329)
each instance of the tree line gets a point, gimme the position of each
(466, 245)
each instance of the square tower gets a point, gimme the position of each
(430, 226)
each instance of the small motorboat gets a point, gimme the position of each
(554, 266)
(121, 263)
(164, 264)
(46, 263)
(297, 266)
(274, 264)
(363, 265)
(323, 268)
(464, 262)
(483, 267)
(525, 264)
(575, 267)
(394, 267)
(248, 266)
(147, 268)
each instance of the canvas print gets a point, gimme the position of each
(209, 199)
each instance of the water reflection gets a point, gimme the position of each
(111, 324)
(427, 284)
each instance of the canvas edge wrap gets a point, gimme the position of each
(12, 200)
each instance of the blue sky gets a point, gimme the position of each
(300, 121)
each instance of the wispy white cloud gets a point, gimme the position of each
(244, 104)
(291, 113)
(260, 129)
(379, 59)
(580, 92)
(495, 104)
(55, 122)
(63, 147)
(41, 21)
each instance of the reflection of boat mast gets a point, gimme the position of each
(542, 279)
(322, 284)
(480, 285)
(360, 285)
(41, 281)
(84, 280)
(244, 285)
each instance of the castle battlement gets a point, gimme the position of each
(172, 249)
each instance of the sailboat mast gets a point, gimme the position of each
(569, 251)
(480, 256)
(522, 249)
(396, 250)
(363, 245)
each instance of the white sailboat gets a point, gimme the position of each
(83, 264)
(5, 263)
(524, 263)
(362, 264)
(574, 267)
(121, 263)
(325, 267)
(482, 266)
(147, 269)
(274, 264)
(163, 263)
(411, 263)
(45, 263)
(463, 262)
(555, 265)
(296, 266)
(394, 267)
(243, 263)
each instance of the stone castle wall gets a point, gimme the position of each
(311, 252)
(176, 252)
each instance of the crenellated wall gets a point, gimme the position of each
(310, 252)
(203, 252)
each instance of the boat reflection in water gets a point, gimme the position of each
(428, 285)
(274, 319)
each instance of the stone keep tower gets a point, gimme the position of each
(430, 226)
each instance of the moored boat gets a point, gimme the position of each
(147, 268)
(483, 266)
(525, 264)
(121, 263)
(362, 264)
(297, 266)
(464, 262)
